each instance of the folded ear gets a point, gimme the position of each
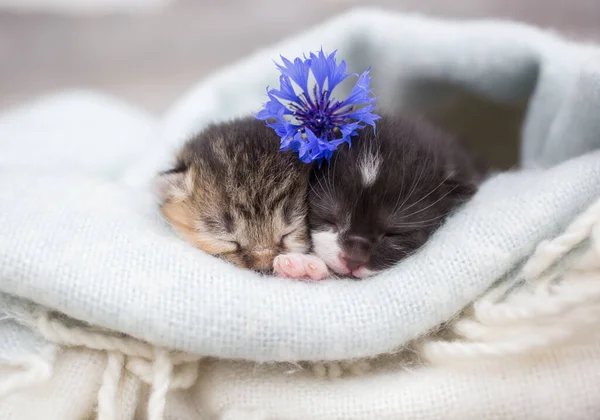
(175, 184)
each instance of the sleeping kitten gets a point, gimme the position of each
(381, 199)
(234, 195)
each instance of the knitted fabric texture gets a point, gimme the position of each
(81, 235)
(496, 334)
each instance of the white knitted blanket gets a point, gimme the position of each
(81, 239)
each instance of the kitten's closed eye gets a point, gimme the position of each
(285, 236)
(236, 245)
(393, 235)
(330, 223)
(227, 248)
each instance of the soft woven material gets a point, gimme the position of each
(105, 257)
(80, 233)
(77, 133)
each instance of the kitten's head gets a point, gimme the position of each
(234, 195)
(380, 200)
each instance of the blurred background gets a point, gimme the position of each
(150, 51)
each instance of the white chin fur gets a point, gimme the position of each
(363, 272)
(325, 246)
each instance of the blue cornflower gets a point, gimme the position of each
(312, 122)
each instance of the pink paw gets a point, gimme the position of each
(299, 266)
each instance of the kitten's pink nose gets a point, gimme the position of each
(353, 264)
(357, 252)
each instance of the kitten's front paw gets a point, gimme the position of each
(299, 266)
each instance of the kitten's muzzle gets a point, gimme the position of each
(260, 261)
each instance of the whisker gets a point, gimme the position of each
(414, 186)
(319, 196)
(432, 204)
(430, 222)
(335, 159)
(326, 189)
(409, 226)
(439, 216)
(430, 192)
(321, 206)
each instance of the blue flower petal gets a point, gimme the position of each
(365, 115)
(286, 143)
(360, 93)
(314, 126)
(348, 129)
(337, 74)
(319, 67)
(263, 114)
(297, 71)
(273, 109)
(286, 90)
(306, 146)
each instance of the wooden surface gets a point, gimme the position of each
(151, 59)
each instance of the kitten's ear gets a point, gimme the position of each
(173, 184)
